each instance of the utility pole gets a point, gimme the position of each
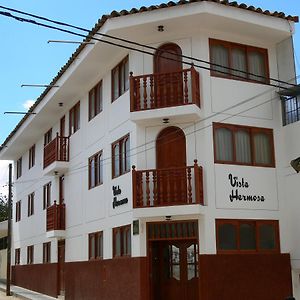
(8, 293)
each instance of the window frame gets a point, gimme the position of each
(290, 114)
(18, 211)
(123, 230)
(248, 49)
(98, 252)
(30, 255)
(257, 224)
(120, 142)
(120, 68)
(30, 204)
(252, 131)
(48, 137)
(46, 252)
(98, 181)
(19, 167)
(74, 116)
(17, 256)
(98, 100)
(47, 195)
(31, 157)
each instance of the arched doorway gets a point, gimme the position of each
(167, 59)
(171, 166)
(168, 75)
(170, 148)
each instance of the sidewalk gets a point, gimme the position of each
(20, 293)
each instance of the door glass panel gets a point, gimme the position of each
(174, 255)
(192, 261)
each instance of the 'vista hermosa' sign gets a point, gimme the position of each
(237, 193)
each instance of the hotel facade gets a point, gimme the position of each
(160, 169)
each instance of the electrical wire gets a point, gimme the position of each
(108, 159)
(20, 19)
(143, 45)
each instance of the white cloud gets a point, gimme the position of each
(27, 104)
(4, 176)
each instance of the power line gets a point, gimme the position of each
(142, 45)
(108, 159)
(20, 19)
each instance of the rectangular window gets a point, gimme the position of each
(30, 204)
(46, 252)
(48, 137)
(3, 243)
(120, 79)
(122, 241)
(290, 109)
(249, 63)
(95, 100)
(17, 256)
(95, 170)
(96, 245)
(30, 254)
(19, 167)
(47, 195)
(74, 118)
(121, 156)
(31, 157)
(243, 145)
(247, 236)
(18, 211)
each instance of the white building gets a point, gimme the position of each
(169, 183)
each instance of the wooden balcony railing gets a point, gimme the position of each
(56, 150)
(56, 216)
(164, 90)
(163, 187)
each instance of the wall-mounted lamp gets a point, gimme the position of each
(166, 120)
(160, 28)
(295, 163)
(60, 104)
(168, 218)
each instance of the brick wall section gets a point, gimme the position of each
(117, 279)
(41, 278)
(245, 276)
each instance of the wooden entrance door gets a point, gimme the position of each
(171, 166)
(168, 76)
(174, 267)
(61, 266)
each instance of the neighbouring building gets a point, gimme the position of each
(162, 171)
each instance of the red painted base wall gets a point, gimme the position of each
(113, 279)
(41, 278)
(245, 277)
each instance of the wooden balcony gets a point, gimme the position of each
(164, 90)
(165, 187)
(56, 151)
(56, 216)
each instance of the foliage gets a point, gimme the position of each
(3, 208)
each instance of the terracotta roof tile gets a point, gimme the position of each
(115, 14)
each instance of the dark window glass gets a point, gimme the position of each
(247, 237)
(227, 237)
(267, 236)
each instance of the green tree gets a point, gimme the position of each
(3, 208)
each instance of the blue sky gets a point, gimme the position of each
(26, 57)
